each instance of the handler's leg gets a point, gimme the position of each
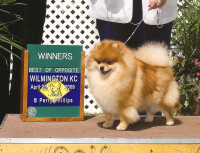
(159, 33)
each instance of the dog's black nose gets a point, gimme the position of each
(102, 68)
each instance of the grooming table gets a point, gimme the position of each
(90, 136)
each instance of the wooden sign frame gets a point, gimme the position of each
(24, 92)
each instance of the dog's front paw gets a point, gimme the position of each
(170, 123)
(122, 127)
(107, 125)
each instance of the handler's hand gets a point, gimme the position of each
(156, 3)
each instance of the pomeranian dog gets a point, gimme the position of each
(125, 81)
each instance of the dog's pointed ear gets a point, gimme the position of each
(114, 45)
(118, 46)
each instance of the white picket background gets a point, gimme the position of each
(68, 23)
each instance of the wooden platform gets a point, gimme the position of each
(89, 134)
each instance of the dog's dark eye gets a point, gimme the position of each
(109, 62)
(98, 61)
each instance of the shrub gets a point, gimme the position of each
(5, 36)
(186, 53)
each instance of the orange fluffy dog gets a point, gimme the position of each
(125, 81)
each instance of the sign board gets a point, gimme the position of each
(52, 83)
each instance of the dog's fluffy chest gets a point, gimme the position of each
(104, 94)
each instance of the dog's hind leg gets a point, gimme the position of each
(169, 102)
(169, 118)
(167, 111)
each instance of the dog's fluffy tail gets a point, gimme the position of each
(156, 54)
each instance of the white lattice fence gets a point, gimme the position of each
(68, 23)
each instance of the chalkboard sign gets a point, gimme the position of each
(52, 83)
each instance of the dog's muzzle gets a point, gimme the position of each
(103, 71)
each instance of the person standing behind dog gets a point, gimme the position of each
(117, 20)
